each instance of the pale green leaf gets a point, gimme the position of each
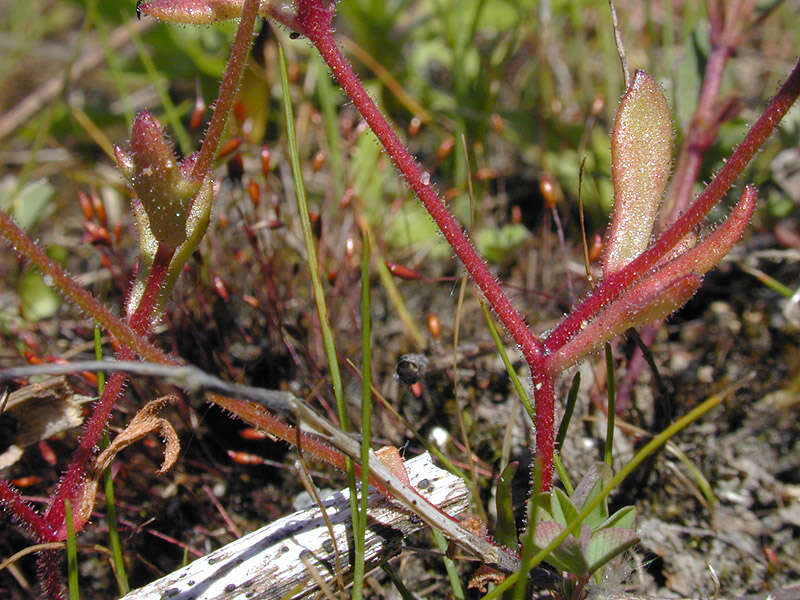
(606, 544)
(641, 156)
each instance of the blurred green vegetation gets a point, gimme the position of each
(538, 66)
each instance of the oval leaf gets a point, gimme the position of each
(641, 155)
(607, 544)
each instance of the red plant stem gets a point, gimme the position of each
(704, 124)
(142, 317)
(611, 287)
(260, 417)
(227, 90)
(131, 336)
(67, 287)
(544, 399)
(263, 419)
(322, 38)
(141, 320)
(50, 575)
(24, 512)
(70, 486)
(47, 528)
(315, 21)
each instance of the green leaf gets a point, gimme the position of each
(28, 205)
(624, 517)
(207, 48)
(413, 227)
(606, 544)
(37, 300)
(641, 155)
(587, 490)
(254, 94)
(368, 176)
(564, 512)
(542, 507)
(506, 530)
(568, 556)
(500, 245)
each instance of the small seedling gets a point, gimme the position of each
(600, 538)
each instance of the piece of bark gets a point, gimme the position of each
(36, 412)
(274, 561)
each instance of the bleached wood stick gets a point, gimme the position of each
(192, 378)
(274, 561)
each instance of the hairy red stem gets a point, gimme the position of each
(70, 487)
(227, 90)
(143, 315)
(24, 512)
(263, 419)
(140, 322)
(315, 21)
(322, 38)
(544, 398)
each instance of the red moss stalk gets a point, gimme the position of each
(727, 32)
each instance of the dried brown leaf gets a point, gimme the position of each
(144, 422)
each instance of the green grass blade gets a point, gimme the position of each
(478, 506)
(366, 415)
(506, 530)
(98, 355)
(72, 554)
(769, 281)
(699, 479)
(404, 592)
(569, 409)
(562, 473)
(450, 566)
(316, 280)
(611, 386)
(520, 389)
